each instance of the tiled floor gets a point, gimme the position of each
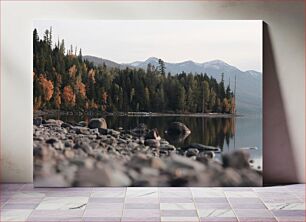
(21, 202)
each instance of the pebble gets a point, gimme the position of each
(70, 155)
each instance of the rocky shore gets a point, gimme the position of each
(90, 154)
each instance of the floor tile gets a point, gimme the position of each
(55, 219)
(289, 213)
(141, 206)
(57, 213)
(285, 206)
(210, 200)
(254, 213)
(218, 219)
(266, 204)
(24, 200)
(101, 219)
(103, 213)
(14, 214)
(175, 200)
(212, 206)
(109, 193)
(26, 194)
(10, 187)
(175, 192)
(216, 213)
(244, 200)
(178, 213)
(140, 219)
(179, 219)
(20, 206)
(207, 192)
(143, 213)
(177, 206)
(105, 200)
(240, 194)
(248, 206)
(62, 203)
(135, 192)
(68, 193)
(291, 219)
(110, 206)
(142, 200)
(254, 219)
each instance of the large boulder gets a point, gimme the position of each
(178, 128)
(97, 123)
(238, 159)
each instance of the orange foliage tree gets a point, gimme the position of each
(47, 88)
(68, 96)
(82, 89)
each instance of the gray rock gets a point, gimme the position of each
(102, 177)
(82, 123)
(66, 125)
(209, 154)
(52, 140)
(37, 121)
(239, 159)
(54, 122)
(177, 128)
(113, 132)
(81, 130)
(177, 161)
(97, 123)
(163, 142)
(167, 147)
(152, 143)
(192, 152)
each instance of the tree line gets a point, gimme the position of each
(63, 80)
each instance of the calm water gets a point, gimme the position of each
(227, 133)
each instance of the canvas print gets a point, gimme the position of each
(147, 103)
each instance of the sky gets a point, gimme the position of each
(236, 42)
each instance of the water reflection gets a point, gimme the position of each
(208, 131)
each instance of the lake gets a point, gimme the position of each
(227, 133)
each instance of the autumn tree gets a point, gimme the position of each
(46, 87)
(68, 96)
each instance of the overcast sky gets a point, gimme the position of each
(237, 42)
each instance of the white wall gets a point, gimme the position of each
(285, 21)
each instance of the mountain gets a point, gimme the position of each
(99, 62)
(248, 83)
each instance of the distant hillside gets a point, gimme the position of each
(99, 62)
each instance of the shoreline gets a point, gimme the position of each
(37, 113)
